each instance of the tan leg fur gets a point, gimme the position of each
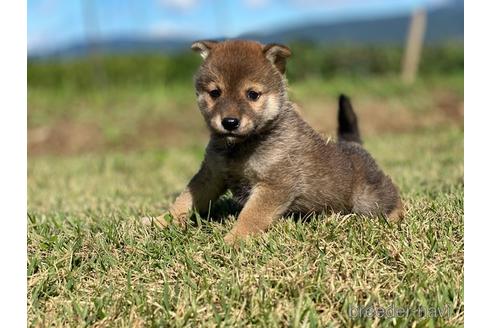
(261, 210)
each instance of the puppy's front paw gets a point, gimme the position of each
(233, 238)
(230, 239)
(161, 221)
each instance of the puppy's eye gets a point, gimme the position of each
(215, 93)
(253, 95)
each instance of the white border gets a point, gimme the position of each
(478, 126)
(13, 176)
(478, 131)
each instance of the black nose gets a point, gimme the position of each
(230, 123)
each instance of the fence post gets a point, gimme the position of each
(91, 23)
(413, 49)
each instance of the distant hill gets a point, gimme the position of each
(443, 24)
(122, 44)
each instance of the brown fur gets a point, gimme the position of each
(274, 162)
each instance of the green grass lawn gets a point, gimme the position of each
(90, 262)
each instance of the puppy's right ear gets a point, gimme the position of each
(203, 47)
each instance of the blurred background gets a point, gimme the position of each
(116, 76)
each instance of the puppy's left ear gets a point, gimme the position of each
(203, 47)
(277, 54)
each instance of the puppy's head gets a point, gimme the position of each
(240, 86)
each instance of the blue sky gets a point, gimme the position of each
(54, 23)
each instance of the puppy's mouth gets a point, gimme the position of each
(232, 135)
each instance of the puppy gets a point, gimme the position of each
(266, 154)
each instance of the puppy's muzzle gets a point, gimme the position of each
(230, 123)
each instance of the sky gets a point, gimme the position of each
(55, 23)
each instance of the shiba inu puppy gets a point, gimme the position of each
(266, 154)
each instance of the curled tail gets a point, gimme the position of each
(348, 129)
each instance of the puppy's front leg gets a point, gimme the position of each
(263, 207)
(204, 188)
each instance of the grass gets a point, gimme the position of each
(90, 263)
(101, 159)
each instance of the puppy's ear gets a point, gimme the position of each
(277, 54)
(203, 47)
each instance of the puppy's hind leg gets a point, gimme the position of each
(397, 214)
(380, 199)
